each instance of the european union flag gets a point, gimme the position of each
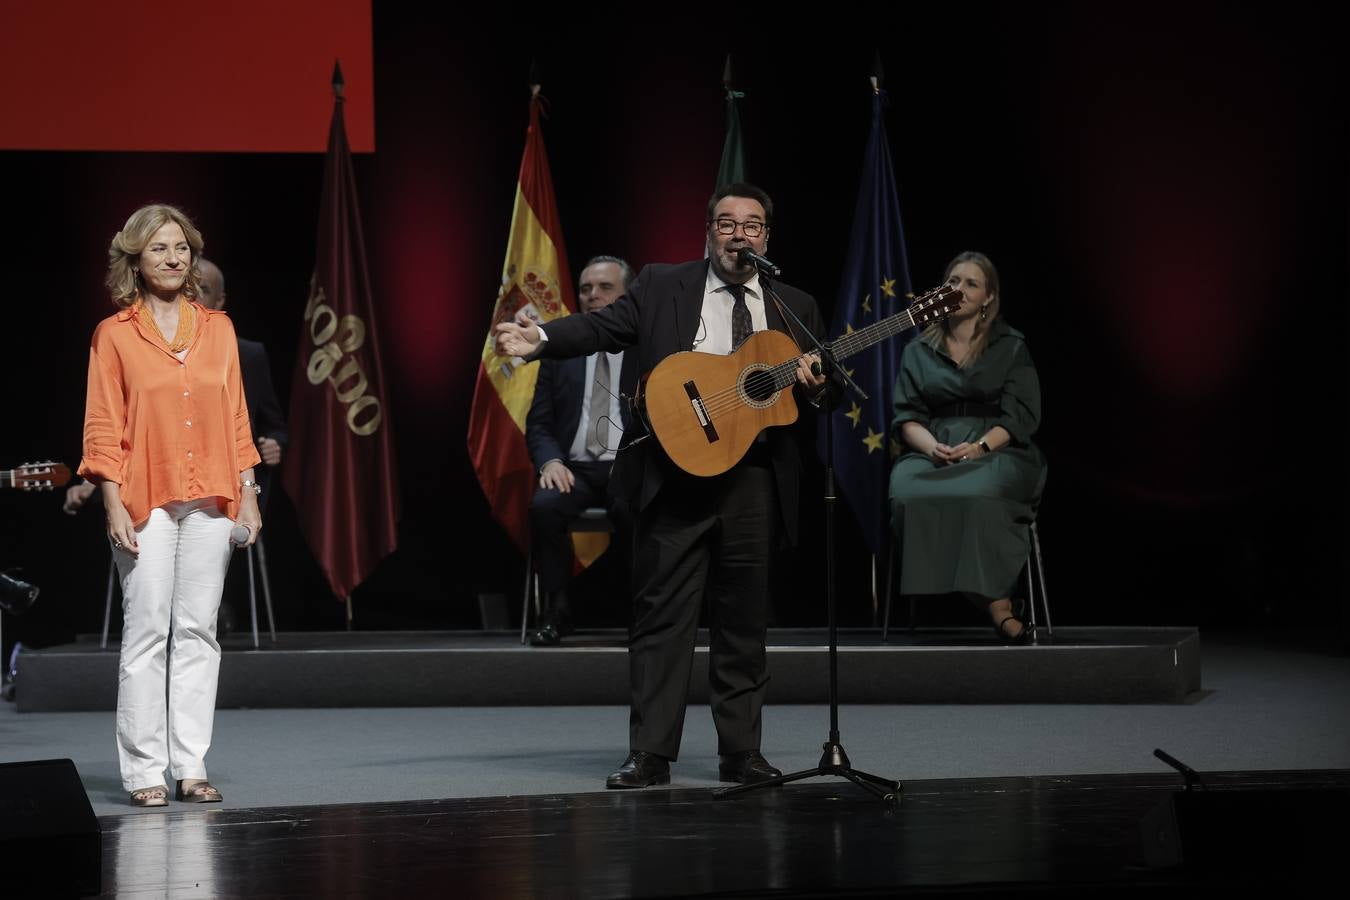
(874, 287)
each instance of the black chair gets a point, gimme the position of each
(593, 519)
(1024, 607)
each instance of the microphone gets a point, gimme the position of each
(749, 257)
(239, 535)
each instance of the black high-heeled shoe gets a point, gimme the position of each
(1022, 637)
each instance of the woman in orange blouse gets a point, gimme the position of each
(167, 439)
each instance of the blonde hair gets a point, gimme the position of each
(935, 333)
(127, 245)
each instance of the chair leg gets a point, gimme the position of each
(107, 603)
(1030, 612)
(886, 614)
(252, 598)
(876, 612)
(525, 596)
(1040, 576)
(267, 587)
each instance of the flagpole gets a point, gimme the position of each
(875, 80)
(338, 85)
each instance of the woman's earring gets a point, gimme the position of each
(984, 312)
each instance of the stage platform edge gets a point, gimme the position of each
(476, 668)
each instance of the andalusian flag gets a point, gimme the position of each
(732, 167)
(875, 282)
(534, 279)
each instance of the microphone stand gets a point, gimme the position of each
(833, 761)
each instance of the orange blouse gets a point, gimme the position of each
(166, 430)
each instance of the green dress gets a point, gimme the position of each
(963, 526)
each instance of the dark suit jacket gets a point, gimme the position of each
(264, 412)
(658, 316)
(555, 412)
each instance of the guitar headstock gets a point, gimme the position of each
(39, 476)
(936, 305)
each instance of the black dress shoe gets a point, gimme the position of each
(553, 627)
(641, 769)
(547, 636)
(747, 767)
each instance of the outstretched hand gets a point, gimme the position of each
(518, 338)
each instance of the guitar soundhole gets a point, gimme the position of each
(756, 386)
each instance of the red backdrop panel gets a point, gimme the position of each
(247, 75)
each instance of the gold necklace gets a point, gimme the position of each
(183, 336)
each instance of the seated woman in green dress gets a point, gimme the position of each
(967, 402)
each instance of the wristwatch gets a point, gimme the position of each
(984, 445)
(251, 485)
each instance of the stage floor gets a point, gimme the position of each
(476, 668)
(973, 836)
(509, 800)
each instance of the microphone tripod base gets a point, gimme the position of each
(833, 761)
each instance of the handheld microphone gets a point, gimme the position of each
(749, 257)
(239, 535)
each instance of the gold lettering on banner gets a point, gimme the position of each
(351, 371)
(336, 340)
(367, 428)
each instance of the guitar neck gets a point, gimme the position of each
(931, 307)
(858, 341)
(785, 373)
(35, 476)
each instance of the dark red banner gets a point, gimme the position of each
(340, 468)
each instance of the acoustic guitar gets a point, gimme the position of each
(706, 410)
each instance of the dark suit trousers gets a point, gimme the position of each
(552, 511)
(702, 537)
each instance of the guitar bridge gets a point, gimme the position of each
(701, 412)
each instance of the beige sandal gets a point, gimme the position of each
(199, 792)
(151, 796)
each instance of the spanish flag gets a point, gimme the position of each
(534, 279)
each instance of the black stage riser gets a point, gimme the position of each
(309, 670)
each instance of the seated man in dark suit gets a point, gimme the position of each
(264, 412)
(572, 430)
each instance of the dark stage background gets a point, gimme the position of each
(1163, 191)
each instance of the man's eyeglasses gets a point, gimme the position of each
(751, 229)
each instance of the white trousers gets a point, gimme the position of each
(166, 676)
